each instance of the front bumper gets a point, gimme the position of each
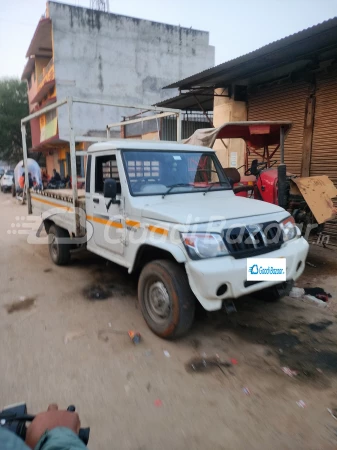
(7, 185)
(207, 275)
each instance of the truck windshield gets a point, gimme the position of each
(166, 173)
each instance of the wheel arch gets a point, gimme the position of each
(47, 224)
(148, 252)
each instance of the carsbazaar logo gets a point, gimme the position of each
(266, 269)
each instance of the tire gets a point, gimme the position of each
(168, 281)
(59, 252)
(275, 293)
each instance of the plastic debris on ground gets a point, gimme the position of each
(318, 293)
(201, 365)
(316, 301)
(246, 391)
(296, 292)
(289, 372)
(158, 403)
(314, 294)
(134, 336)
(234, 361)
(311, 264)
(167, 354)
(301, 404)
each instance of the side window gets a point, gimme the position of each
(87, 179)
(106, 167)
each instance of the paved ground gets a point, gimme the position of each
(61, 348)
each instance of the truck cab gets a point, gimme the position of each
(168, 211)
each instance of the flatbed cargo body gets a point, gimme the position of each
(59, 204)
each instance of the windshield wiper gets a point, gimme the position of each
(214, 184)
(174, 186)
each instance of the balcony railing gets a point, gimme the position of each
(47, 74)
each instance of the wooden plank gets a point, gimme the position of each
(318, 192)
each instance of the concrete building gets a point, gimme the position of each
(293, 79)
(92, 54)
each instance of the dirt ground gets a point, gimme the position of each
(61, 346)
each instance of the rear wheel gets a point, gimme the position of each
(166, 299)
(59, 251)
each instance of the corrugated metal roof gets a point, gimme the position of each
(190, 101)
(292, 47)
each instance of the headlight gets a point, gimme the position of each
(204, 245)
(289, 228)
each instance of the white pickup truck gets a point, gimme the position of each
(168, 211)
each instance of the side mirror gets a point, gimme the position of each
(110, 192)
(110, 188)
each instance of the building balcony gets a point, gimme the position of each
(45, 82)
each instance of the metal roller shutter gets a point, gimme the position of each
(324, 145)
(283, 102)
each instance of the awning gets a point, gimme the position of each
(255, 134)
(43, 91)
(41, 43)
(191, 101)
(297, 50)
(49, 144)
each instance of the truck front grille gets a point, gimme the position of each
(252, 240)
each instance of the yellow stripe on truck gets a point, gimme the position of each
(157, 230)
(105, 221)
(132, 223)
(47, 202)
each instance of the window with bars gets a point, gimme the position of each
(106, 167)
(154, 172)
(142, 169)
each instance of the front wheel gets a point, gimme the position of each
(59, 250)
(166, 299)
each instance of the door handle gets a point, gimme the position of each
(95, 200)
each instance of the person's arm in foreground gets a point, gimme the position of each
(51, 430)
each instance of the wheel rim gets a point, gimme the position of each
(53, 247)
(158, 302)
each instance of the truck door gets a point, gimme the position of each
(108, 225)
